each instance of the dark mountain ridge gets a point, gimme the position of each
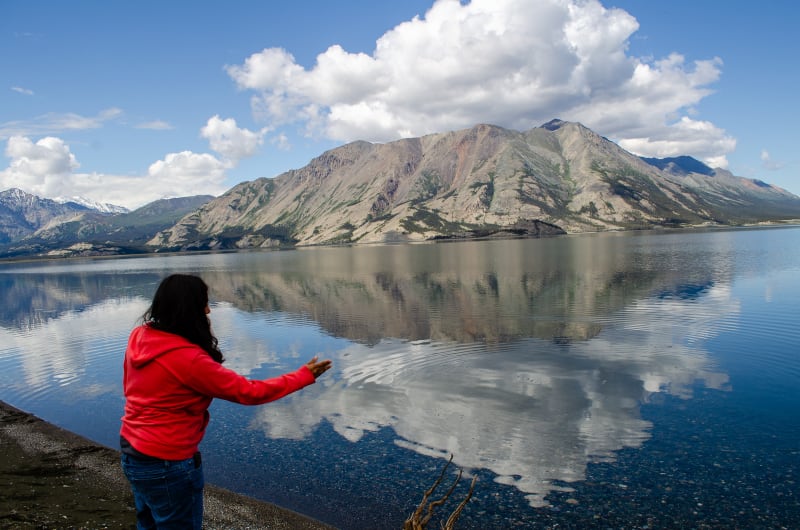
(681, 165)
(22, 214)
(53, 228)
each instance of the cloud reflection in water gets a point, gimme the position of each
(529, 359)
(534, 412)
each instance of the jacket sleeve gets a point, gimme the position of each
(206, 376)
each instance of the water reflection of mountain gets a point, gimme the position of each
(529, 359)
(453, 292)
(534, 412)
(493, 292)
(32, 299)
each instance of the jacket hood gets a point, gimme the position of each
(147, 343)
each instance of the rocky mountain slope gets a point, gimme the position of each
(480, 182)
(30, 225)
(21, 213)
(560, 177)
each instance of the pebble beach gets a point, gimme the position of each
(51, 478)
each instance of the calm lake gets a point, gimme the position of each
(619, 380)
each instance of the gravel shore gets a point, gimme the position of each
(52, 478)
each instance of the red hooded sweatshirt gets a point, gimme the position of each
(169, 384)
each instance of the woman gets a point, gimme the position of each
(173, 369)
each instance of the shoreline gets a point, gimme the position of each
(53, 478)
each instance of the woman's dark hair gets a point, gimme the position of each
(179, 307)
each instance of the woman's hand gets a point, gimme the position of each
(318, 367)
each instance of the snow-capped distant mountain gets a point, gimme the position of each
(102, 207)
(22, 213)
(31, 225)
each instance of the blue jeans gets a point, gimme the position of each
(168, 493)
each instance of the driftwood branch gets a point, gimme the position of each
(451, 521)
(418, 521)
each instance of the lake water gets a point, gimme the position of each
(619, 380)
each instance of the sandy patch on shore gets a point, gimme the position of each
(52, 478)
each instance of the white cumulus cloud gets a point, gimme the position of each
(515, 63)
(41, 168)
(47, 168)
(232, 142)
(701, 139)
(184, 171)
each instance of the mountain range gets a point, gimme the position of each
(30, 225)
(485, 181)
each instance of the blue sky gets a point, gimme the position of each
(128, 102)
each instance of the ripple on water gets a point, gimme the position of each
(767, 350)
